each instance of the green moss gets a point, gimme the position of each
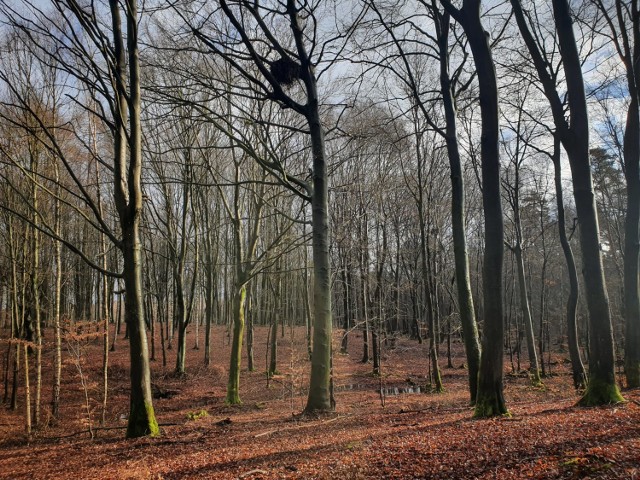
(142, 423)
(353, 445)
(600, 393)
(197, 414)
(233, 397)
(585, 466)
(534, 377)
(488, 407)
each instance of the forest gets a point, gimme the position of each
(320, 238)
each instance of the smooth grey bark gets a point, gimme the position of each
(35, 285)
(244, 264)
(278, 313)
(425, 256)
(601, 387)
(181, 311)
(517, 249)
(346, 307)
(319, 398)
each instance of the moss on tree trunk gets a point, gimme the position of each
(233, 385)
(142, 421)
(600, 393)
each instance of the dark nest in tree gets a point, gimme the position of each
(285, 70)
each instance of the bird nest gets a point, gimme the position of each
(285, 71)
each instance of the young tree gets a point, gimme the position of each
(516, 151)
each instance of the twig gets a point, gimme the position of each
(431, 409)
(299, 426)
(252, 472)
(121, 427)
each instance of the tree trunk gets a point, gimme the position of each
(277, 314)
(128, 197)
(250, 327)
(57, 362)
(346, 292)
(180, 320)
(461, 258)
(27, 392)
(35, 290)
(631, 244)
(490, 397)
(534, 369)
(233, 385)
(319, 385)
(365, 320)
(601, 388)
(209, 288)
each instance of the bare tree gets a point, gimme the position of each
(574, 135)
(281, 66)
(116, 82)
(489, 398)
(622, 21)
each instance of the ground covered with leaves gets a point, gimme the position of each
(383, 426)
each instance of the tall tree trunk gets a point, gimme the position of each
(461, 257)
(209, 273)
(16, 324)
(601, 388)
(543, 308)
(57, 297)
(308, 315)
(632, 238)
(251, 312)
(319, 398)
(180, 319)
(35, 291)
(277, 315)
(208, 310)
(365, 317)
(346, 292)
(27, 392)
(128, 197)
(490, 397)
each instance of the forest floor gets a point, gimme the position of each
(396, 435)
